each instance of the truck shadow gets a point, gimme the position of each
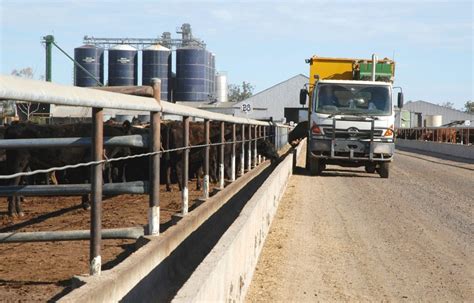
(332, 172)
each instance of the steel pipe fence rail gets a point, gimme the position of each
(15, 88)
(43, 143)
(70, 235)
(12, 88)
(453, 135)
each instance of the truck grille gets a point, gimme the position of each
(351, 133)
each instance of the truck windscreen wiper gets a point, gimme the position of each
(364, 114)
(335, 114)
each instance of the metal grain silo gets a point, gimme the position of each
(123, 65)
(191, 74)
(213, 75)
(92, 59)
(157, 64)
(221, 87)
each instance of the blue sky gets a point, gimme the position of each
(264, 42)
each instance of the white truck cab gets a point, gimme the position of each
(350, 123)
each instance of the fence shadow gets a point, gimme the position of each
(40, 218)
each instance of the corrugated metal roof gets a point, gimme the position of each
(427, 108)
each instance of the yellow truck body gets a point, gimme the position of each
(324, 68)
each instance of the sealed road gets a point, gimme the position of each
(352, 236)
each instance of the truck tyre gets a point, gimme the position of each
(370, 168)
(315, 167)
(384, 169)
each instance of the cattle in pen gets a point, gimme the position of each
(20, 160)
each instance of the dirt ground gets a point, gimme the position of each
(42, 271)
(351, 236)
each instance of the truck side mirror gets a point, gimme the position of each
(303, 96)
(400, 100)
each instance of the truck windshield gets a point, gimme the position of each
(354, 99)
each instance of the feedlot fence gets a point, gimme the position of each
(251, 133)
(454, 135)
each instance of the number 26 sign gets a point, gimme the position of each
(246, 108)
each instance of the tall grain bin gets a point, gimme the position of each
(191, 74)
(92, 59)
(123, 65)
(157, 64)
(212, 76)
(221, 87)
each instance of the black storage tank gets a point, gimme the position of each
(191, 74)
(123, 65)
(92, 59)
(157, 64)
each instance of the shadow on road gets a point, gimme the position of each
(332, 172)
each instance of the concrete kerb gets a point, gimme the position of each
(226, 272)
(112, 285)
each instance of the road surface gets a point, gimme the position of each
(352, 236)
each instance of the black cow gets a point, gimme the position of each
(298, 133)
(41, 158)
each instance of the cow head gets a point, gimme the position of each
(266, 149)
(298, 133)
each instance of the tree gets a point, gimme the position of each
(27, 108)
(238, 93)
(447, 104)
(469, 106)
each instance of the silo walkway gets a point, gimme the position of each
(351, 236)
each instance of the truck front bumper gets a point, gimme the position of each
(352, 149)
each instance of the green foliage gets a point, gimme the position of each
(447, 104)
(469, 107)
(238, 93)
(27, 109)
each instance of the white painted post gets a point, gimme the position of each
(207, 131)
(232, 160)
(242, 153)
(185, 195)
(258, 137)
(249, 167)
(221, 157)
(255, 147)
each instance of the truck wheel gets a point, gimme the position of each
(384, 169)
(370, 168)
(315, 167)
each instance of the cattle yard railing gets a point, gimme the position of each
(454, 135)
(13, 88)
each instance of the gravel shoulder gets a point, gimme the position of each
(352, 236)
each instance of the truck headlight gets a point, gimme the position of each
(389, 132)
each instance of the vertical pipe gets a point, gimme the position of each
(184, 181)
(260, 137)
(249, 164)
(96, 191)
(255, 147)
(374, 64)
(154, 194)
(207, 136)
(242, 154)
(49, 47)
(155, 141)
(264, 137)
(232, 160)
(467, 138)
(221, 155)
